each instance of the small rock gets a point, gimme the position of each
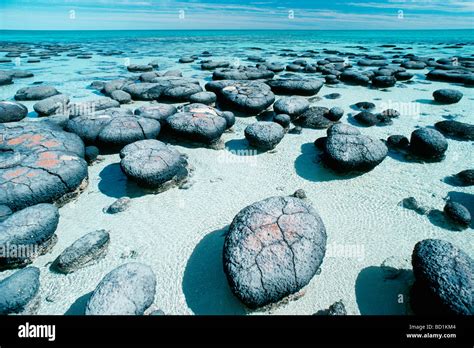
(457, 213)
(119, 205)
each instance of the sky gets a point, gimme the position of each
(235, 14)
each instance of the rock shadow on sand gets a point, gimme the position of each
(376, 295)
(205, 285)
(309, 166)
(79, 306)
(114, 183)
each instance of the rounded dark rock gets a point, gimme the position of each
(127, 290)
(113, 132)
(444, 283)
(153, 164)
(273, 249)
(121, 96)
(354, 78)
(264, 135)
(158, 111)
(31, 229)
(35, 93)
(304, 87)
(348, 150)
(403, 76)
(283, 120)
(119, 205)
(19, 291)
(367, 118)
(292, 106)
(314, 117)
(466, 177)
(242, 74)
(12, 112)
(456, 129)
(250, 97)
(398, 142)
(447, 96)
(207, 98)
(39, 163)
(383, 81)
(91, 153)
(335, 114)
(85, 250)
(365, 106)
(428, 143)
(198, 122)
(457, 213)
(139, 68)
(52, 105)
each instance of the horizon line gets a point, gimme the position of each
(270, 29)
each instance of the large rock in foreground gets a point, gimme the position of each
(444, 283)
(273, 249)
(346, 149)
(18, 292)
(127, 290)
(27, 234)
(428, 143)
(39, 164)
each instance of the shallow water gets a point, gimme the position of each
(179, 233)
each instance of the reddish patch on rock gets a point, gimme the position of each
(17, 140)
(50, 143)
(200, 115)
(269, 233)
(14, 173)
(47, 160)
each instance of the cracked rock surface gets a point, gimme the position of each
(346, 149)
(273, 249)
(198, 122)
(38, 164)
(306, 87)
(113, 132)
(152, 164)
(251, 97)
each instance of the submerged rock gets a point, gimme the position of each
(19, 291)
(87, 249)
(273, 249)
(444, 283)
(127, 290)
(35, 93)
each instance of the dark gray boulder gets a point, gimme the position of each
(207, 98)
(30, 232)
(121, 96)
(354, 78)
(314, 117)
(52, 105)
(292, 106)
(35, 93)
(211, 65)
(334, 114)
(85, 250)
(181, 93)
(365, 106)
(91, 107)
(39, 163)
(245, 73)
(456, 129)
(158, 111)
(5, 79)
(264, 135)
(428, 143)
(283, 120)
(18, 292)
(415, 65)
(113, 132)
(91, 153)
(305, 87)
(447, 96)
(444, 283)
(250, 97)
(153, 164)
(273, 249)
(366, 118)
(348, 150)
(198, 122)
(127, 290)
(398, 142)
(403, 76)
(466, 177)
(457, 213)
(383, 81)
(12, 112)
(139, 68)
